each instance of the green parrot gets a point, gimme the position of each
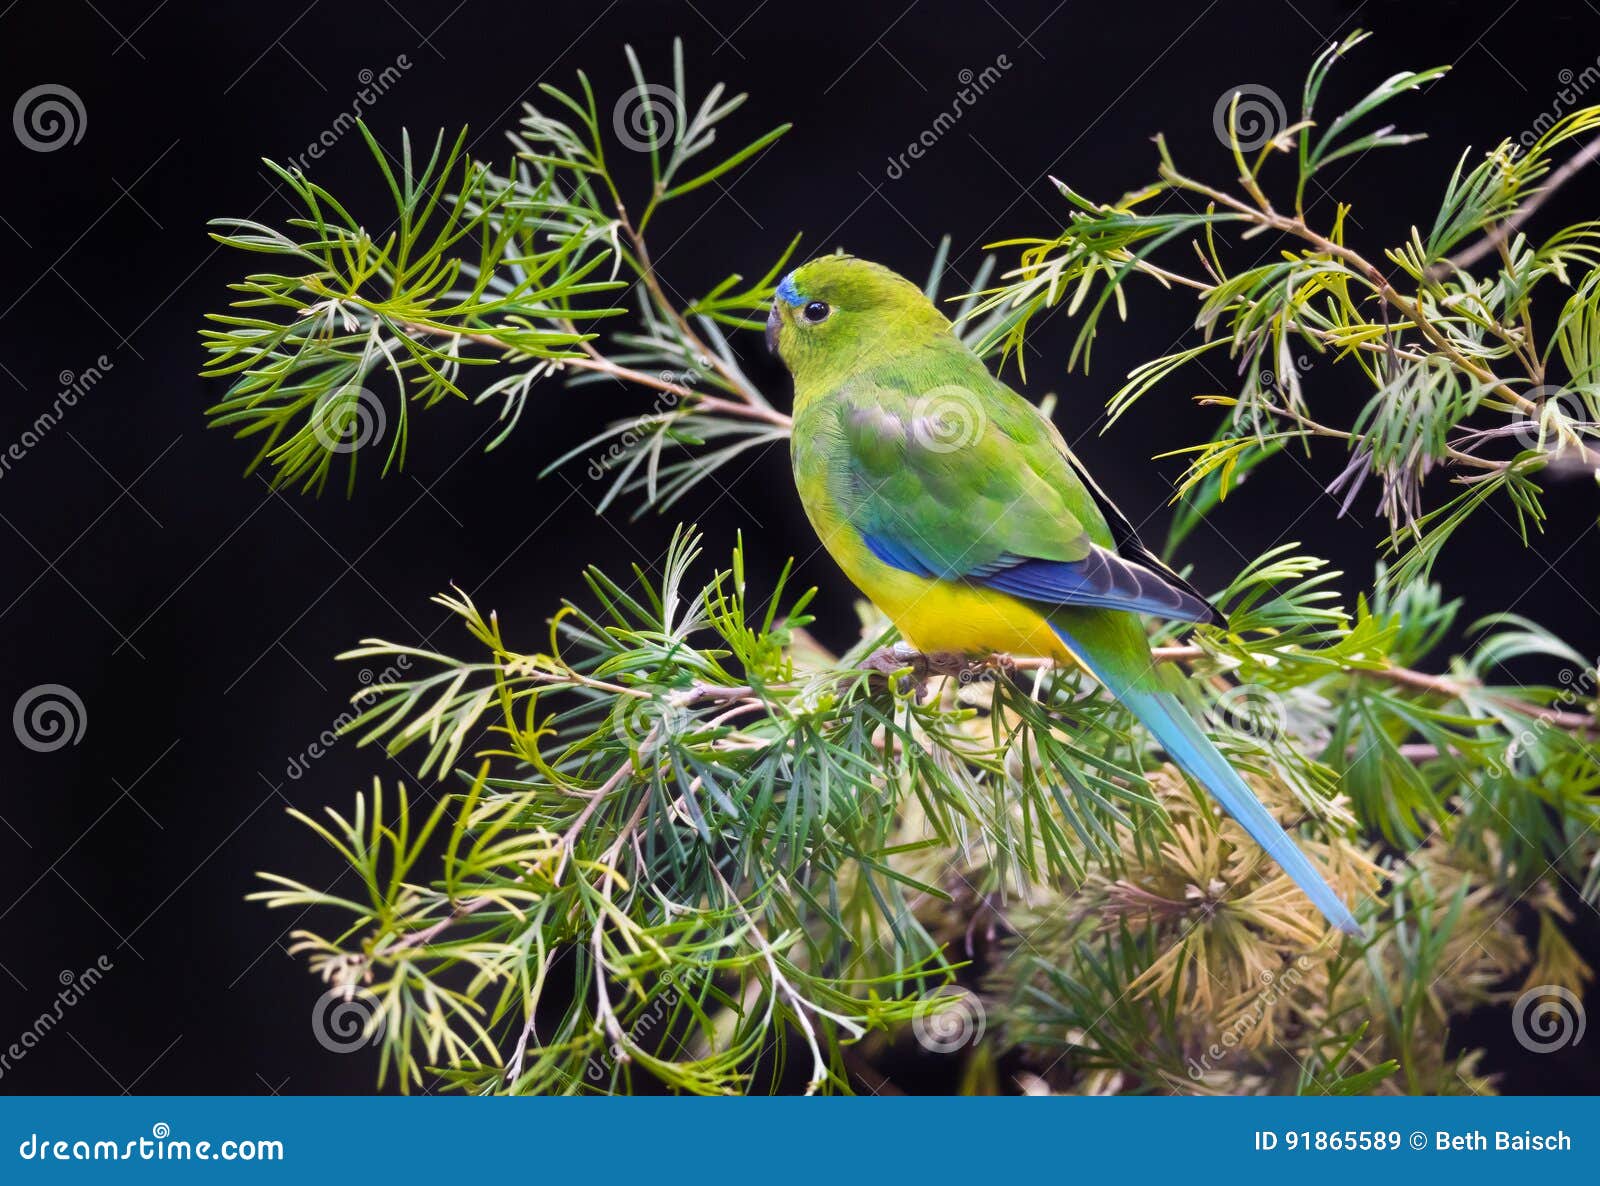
(953, 504)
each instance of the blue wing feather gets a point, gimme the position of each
(896, 555)
(1102, 580)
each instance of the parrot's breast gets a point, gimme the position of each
(931, 614)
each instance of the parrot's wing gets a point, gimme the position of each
(963, 482)
(1126, 538)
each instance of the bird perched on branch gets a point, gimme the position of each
(958, 509)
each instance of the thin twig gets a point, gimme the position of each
(1496, 238)
(427, 935)
(1440, 685)
(1370, 272)
(593, 360)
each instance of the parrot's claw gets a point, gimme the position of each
(887, 661)
(996, 664)
(892, 659)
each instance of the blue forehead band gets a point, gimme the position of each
(788, 292)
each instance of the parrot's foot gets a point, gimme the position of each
(886, 662)
(924, 665)
(981, 669)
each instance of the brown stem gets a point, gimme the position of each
(1207, 286)
(652, 283)
(1496, 238)
(597, 362)
(1438, 685)
(1369, 272)
(569, 838)
(425, 936)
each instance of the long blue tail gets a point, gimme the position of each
(1137, 685)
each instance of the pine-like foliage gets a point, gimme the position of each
(674, 843)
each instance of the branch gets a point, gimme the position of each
(425, 936)
(647, 273)
(1369, 271)
(1439, 685)
(597, 362)
(1496, 239)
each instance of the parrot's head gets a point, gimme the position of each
(837, 315)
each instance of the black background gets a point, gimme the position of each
(196, 613)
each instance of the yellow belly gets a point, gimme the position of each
(935, 615)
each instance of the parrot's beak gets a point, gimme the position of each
(773, 325)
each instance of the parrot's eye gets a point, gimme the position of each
(816, 311)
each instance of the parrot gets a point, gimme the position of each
(956, 507)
